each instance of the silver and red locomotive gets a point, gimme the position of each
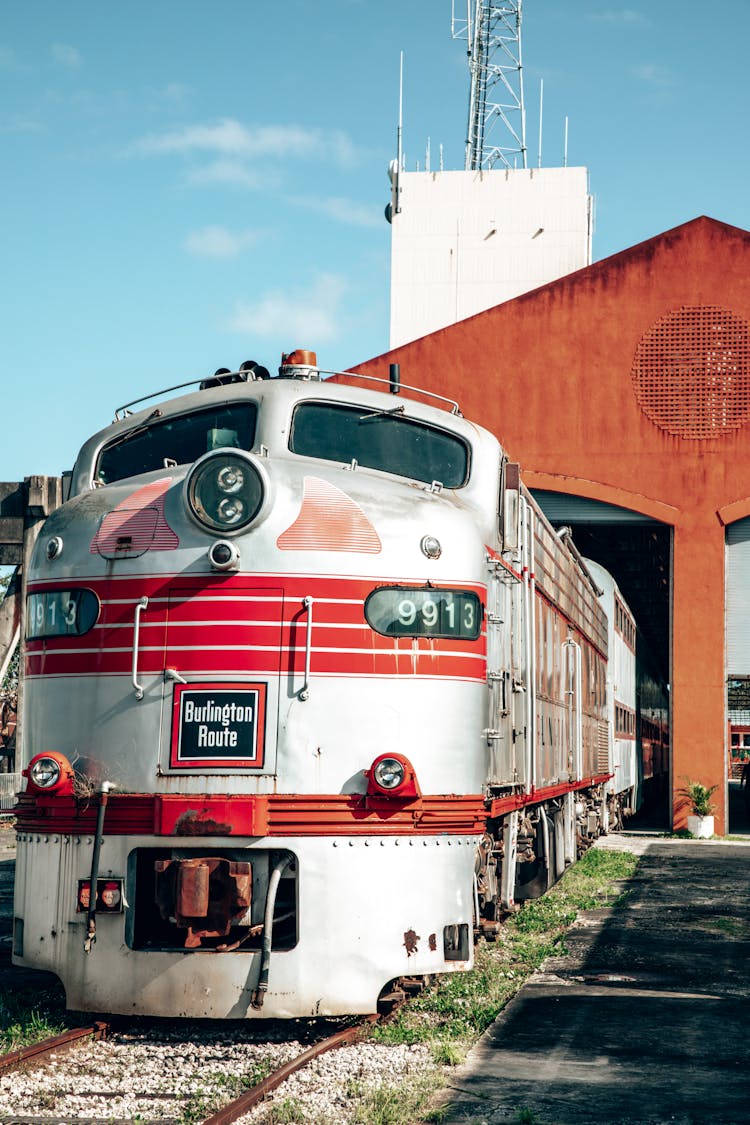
(313, 694)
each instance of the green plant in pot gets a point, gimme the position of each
(700, 819)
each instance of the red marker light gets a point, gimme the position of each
(111, 895)
(108, 896)
(84, 895)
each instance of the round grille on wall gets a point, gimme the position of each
(691, 372)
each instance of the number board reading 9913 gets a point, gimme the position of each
(402, 611)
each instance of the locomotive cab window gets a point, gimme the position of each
(380, 439)
(403, 611)
(176, 441)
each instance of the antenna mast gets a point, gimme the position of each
(492, 29)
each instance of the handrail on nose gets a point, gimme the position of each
(140, 606)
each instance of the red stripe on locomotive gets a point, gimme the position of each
(258, 629)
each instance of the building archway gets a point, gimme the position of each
(636, 549)
(737, 616)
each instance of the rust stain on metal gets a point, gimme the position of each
(410, 942)
(192, 888)
(204, 896)
(193, 823)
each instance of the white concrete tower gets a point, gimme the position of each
(464, 241)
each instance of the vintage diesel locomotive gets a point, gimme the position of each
(314, 694)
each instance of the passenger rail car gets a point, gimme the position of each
(313, 694)
(637, 707)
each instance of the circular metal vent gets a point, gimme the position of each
(691, 372)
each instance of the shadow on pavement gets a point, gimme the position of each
(643, 1020)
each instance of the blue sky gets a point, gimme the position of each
(188, 184)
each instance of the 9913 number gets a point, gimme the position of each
(397, 611)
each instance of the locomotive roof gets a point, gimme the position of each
(281, 395)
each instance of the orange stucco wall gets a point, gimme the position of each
(550, 374)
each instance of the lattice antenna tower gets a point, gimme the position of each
(492, 29)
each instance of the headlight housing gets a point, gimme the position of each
(226, 491)
(49, 772)
(392, 775)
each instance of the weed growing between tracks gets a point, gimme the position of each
(453, 1012)
(218, 1089)
(28, 1014)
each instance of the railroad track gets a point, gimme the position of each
(247, 1101)
(38, 1053)
(57, 1079)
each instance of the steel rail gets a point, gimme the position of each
(251, 1098)
(35, 1054)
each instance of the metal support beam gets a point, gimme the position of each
(24, 506)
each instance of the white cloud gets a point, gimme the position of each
(620, 17)
(66, 55)
(227, 172)
(20, 123)
(230, 138)
(175, 92)
(305, 319)
(10, 61)
(343, 210)
(652, 75)
(218, 242)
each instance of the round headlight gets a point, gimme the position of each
(54, 547)
(45, 772)
(389, 773)
(431, 547)
(225, 491)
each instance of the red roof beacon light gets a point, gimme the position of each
(49, 772)
(299, 364)
(392, 775)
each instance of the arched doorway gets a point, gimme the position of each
(637, 550)
(737, 617)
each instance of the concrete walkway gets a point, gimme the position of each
(645, 1020)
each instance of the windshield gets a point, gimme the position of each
(176, 441)
(380, 439)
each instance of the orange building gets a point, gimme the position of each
(628, 383)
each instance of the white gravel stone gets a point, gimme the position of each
(165, 1075)
(322, 1089)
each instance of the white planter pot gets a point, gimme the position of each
(701, 826)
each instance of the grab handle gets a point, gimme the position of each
(308, 605)
(141, 605)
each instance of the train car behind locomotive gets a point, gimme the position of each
(314, 693)
(637, 708)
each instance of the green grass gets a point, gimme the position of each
(220, 1088)
(391, 1105)
(29, 1014)
(291, 1111)
(453, 1012)
(730, 927)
